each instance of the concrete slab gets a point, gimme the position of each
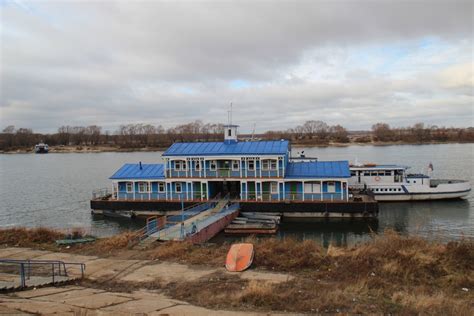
(101, 268)
(6, 252)
(96, 301)
(66, 295)
(44, 291)
(10, 311)
(186, 310)
(140, 306)
(166, 273)
(37, 307)
(28, 254)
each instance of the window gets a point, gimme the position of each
(229, 132)
(178, 187)
(265, 165)
(353, 173)
(180, 165)
(161, 187)
(331, 187)
(197, 165)
(388, 173)
(235, 165)
(251, 165)
(129, 187)
(312, 187)
(143, 187)
(213, 165)
(366, 173)
(273, 165)
(274, 187)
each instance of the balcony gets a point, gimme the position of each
(224, 173)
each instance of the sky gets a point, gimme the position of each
(280, 63)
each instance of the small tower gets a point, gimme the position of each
(230, 130)
(230, 136)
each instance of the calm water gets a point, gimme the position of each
(53, 190)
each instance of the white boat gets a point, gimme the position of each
(41, 148)
(393, 183)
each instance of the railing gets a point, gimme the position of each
(269, 196)
(48, 268)
(101, 194)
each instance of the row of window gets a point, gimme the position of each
(387, 189)
(144, 187)
(268, 164)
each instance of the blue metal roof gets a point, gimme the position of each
(133, 171)
(318, 169)
(279, 147)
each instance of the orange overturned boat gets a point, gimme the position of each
(239, 257)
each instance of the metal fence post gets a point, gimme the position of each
(22, 275)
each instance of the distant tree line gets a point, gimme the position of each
(419, 133)
(126, 136)
(146, 135)
(312, 132)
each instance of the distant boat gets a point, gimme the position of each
(393, 183)
(41, 148)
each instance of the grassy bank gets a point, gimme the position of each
(389, 274)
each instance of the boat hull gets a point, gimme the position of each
(421, 196)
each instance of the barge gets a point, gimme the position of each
(259, 175)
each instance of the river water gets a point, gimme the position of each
(53, 190)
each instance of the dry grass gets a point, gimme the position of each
(29, 237)
(389, 274)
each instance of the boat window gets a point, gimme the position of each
(274, 187)
(373, 173)
(414, 181)
(353, 173)
(381, 173)
(366, 173)
(143, 187)
(251, 165)
(178, 187)
(161, 187)
(235, 165)
(388, 173)
(213, 165)
(129, 187)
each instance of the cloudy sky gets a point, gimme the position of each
(352, 63)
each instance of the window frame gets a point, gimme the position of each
(211, 164)
(266, 164)
(273, 190)
(131, 185)
(273, 164)
(197, 165)
(253, 165)
(331, 184)
(176, 187)
(161, 187)
(235, 163)
(143, 187)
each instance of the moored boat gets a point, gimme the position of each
(41, 148)
(394, 183)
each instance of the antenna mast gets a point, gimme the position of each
(253, 131)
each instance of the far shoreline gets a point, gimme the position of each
(111, 149)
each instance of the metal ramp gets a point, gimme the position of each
(20, 274)
(192, 225)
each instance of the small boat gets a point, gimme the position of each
(239, 257)
(393, 183)
(41, 148)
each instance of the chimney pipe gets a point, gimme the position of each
(141, 165)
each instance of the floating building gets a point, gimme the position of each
(260, 175)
